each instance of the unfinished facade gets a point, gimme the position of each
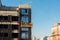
(15, 22)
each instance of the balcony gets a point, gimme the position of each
(15, 38)
(16, 23)
(6, 13)
(15, 31)
(26, 24)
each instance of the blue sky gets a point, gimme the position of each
(44, 14)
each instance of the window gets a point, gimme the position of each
(5, 18)
(1, 18)
(5, 34)
(24, 35)
(2, 26)
(24, 29)
(24, 11)
(1, 34)
(14, 27)
(14, 18)
(25, 19)
(5, 26)
(14, 35)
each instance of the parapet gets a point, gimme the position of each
(24, 6)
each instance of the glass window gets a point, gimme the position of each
(25, 35)
(14, 27)
(24, 11)
(5, 18)
(5, 34)
(14, 35)
(14, 18)
(5, 26)
(25, 19)
(24, 29)
(1, 18)
(2, 26)
(1, 35)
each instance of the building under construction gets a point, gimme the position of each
(15, 22)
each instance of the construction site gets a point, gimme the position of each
(15, 22)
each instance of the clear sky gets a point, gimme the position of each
(44, 14)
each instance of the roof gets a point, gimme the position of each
(9, 8)
(5, 8)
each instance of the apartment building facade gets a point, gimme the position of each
(55, 32)
(15, 22)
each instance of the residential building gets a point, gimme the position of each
(55, 32)
(15, 22)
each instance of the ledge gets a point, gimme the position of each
(26, 24)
